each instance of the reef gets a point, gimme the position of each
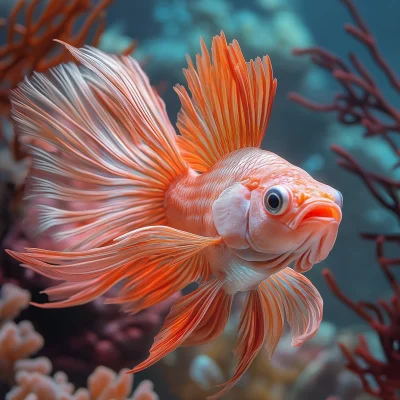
(363, 103)
(28, 377)
(103, 335)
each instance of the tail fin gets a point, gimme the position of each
(102, 146)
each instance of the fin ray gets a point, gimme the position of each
(261, 324)
(251, 337)
(141, 258)
(108, 129)
(230, 105)
(213, 322)
(302, 303)
(185, 315)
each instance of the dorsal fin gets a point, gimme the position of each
(230, 105)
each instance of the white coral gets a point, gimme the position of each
(31, 377)
(103, 384)
(17, 341)
(13, 300)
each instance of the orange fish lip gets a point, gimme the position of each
(317, 210)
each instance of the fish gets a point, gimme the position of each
(164, 210)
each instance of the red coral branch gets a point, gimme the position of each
(30, 45)
(383, 188)
(361, 102)
(380, 378)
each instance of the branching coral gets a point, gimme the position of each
(31, 378)
(362, 102)
(17, 341)
(380, 378)
(30, 44)
(103, 384)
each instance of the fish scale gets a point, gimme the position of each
(190, 198)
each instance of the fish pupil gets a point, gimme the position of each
(273, 201)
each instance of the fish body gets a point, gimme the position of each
(189, 200)
(153, 212)
(189, 203)
(189, 207)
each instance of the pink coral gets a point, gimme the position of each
(31, 377)
(103, 384)
(12, 300)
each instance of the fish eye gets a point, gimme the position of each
(276, 200)
(339, 199)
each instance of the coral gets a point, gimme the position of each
(113, 339)
(12, 301)
(30, 48)
(380, 377)
(367, 106)
(17, 341)
(103, 384)
(325, 374)
(363, 103)
(30, 378)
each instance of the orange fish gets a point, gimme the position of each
(163, 210)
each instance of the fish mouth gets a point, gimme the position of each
(322, 211)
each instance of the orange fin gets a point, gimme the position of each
(155, 281)
(213, 322)
(284, 293)
(154, 262)
(230, 105)
(185, 316)
(251, 337)
(301, 300)
(108, 129)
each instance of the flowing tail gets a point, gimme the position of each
(104, 153)
(103, 149)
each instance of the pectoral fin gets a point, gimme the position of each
(301, 301)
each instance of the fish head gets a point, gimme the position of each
(280, 217)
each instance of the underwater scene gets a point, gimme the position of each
(199, 199)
